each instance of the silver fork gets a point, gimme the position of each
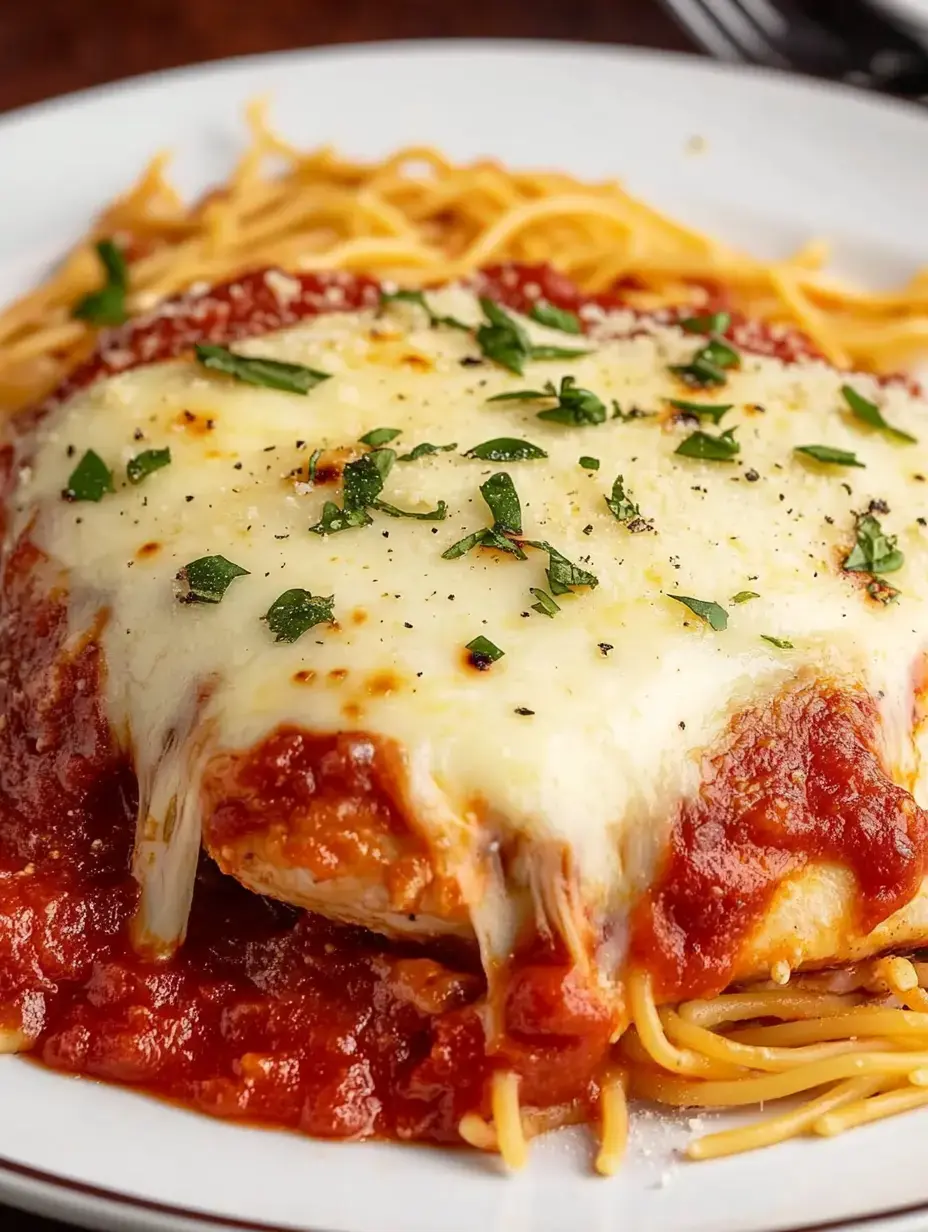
(824, 38)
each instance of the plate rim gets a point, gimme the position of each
(58, 1196)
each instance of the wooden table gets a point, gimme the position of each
(49, 47)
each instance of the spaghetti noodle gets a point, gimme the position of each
(856, 1044)
(418, 218)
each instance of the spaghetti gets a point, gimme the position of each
(854, 1045)
(418, 218)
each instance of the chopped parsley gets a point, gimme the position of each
(545, 605)
(869, 413)
(506, 449)
(334, 519)
(715, 616)
(874, 552)
(709, 448)
(574, 406)
(563, 575)
(745, 596)
(438, 514)
(780, 642)
(379, 436)
(825, 453)
(295, 611)
(710, 323)
(107, 306)
(313, 463)
(555, 318)
(502, 339)
(483, 653)
(622, 507)
(206, 579)
(701, 409)
(90, 480)
(420, 451)
(588, 463)
(500, 494)
(144, 463)
(363, 481)
(269, 373)
(709, 365)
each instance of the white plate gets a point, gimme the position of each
(784, 160)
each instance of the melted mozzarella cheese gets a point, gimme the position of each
(625, 686)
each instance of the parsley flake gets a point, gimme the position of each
(295, 611)
(420, 451)
(379, 436)
(206, 579)
(710, 323)
(144, 463)
(825, 453)
(502, 339)
(269, 373)
(745, 596)
(555, 318)
(483, 653)
(715, 616)
(780, 642)
(545, 605)
(90, 480)
(588, 463)
(418, 298)
(622, 507)
(107, 306)
(500, 494)
(709, 448)
(874, 552)
(869, 413)
(506, 449)
(701, 409)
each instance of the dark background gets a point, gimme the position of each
(50, 47)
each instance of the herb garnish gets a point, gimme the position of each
(144, 463)
(869, 413)
(206, 579)
(500, 494)
(334, 519)
(555, 318)
(545, 605)
(710, 323)
(502, 339)
(715, 616)
(701, 410)
(505, 449)
(825, 453)
(419, 451)
(575, 406)
(623, 508)
(780, 642)
(873, 552)
(483, 653)
(107, 306)
(430, 515)
(313, 463)
(90, 480)
(418, 298)
(744, 596)
(295, 611)
(708, 366)
(269, 373)
(710, 448)
(379, 436)
(563, 574)
(588, 463)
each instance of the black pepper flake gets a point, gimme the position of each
(829, 519)
(301, 444)
(71, 451)
(919, 478)
(451, 596)
(281, 536)
(588, 530)
(386, 534)
(922, 521)
(751, 476)
(188, 498)
(524, 710)
(604, 648)
(268, 448)
(406, 624)
(138, 435)
(681, 725)
(470, 361)
(878, 506)
(236, 466)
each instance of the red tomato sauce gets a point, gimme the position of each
(278, 1016)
